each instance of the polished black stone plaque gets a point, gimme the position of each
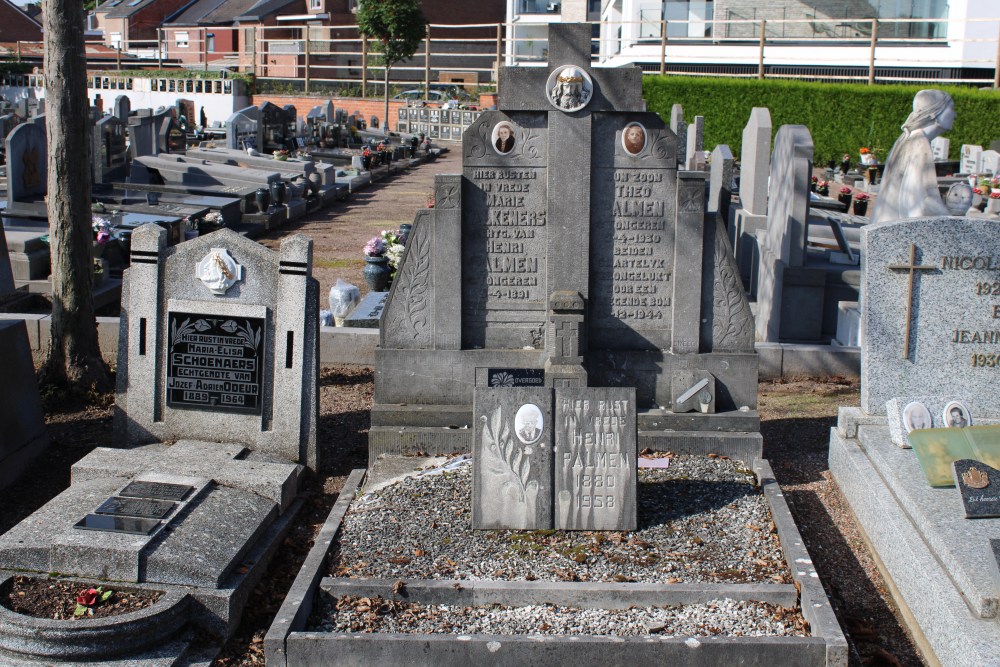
(157, 490)
(137, 507)
(117, 524)
(515, 377)
(979, 485)
(215, 363)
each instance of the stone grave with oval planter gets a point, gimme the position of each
(214, 425)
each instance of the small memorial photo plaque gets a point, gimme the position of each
(117, 524)
(157, 490)
(138, 507)
(215, 363)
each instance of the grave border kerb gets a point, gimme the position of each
(287, 629)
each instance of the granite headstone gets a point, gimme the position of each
(219, 336)
(512, 459)
(929, 321)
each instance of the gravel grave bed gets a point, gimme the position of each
(702, 519)
(57, 598)
(730, 618)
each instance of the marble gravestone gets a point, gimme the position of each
(573, 244)
(970, 159)
(929, 334)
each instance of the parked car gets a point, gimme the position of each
(439, 92)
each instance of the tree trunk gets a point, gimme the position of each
(385, 124)
(74, 356)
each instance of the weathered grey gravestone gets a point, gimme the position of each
(22, 428)
(26, 164)
(798, 287)
(720, 182)
(218, 356)
(971, 157)
(562, 458)
(929, 329)
(218, 336)
(755, 167)
(571, 244)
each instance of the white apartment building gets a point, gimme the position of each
(929, 40)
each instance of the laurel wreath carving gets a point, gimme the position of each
(733, 326)
(411, 306)
(503, 458)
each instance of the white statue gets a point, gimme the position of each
(909, 186)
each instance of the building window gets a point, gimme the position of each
(210, 42)
(181, 40)
(316, 4)
(116, 40)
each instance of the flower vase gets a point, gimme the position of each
(376, 273)
(845, 198)
(860, 206)
(404, 232)
(993, 206)
(262, 197)
(278, 193)
(823, 190)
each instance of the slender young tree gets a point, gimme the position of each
(74, 356)
(399, 26)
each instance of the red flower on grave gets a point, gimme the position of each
(88, 597)
(845, 190)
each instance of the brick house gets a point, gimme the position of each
(17, 26)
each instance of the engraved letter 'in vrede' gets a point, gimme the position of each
(215, 363)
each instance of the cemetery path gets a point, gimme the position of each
(340, 232)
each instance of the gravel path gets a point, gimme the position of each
(730, 618)
(700, 520)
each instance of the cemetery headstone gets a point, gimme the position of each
(940, 147)
(971, 157)
(990, 163)
(27, 156)
(720, 182)
(243, 130)
(782, 243)
(928, 321)
(646, 294)
(219, 336)
(123, 108)
(563, 458)
(695, 141)
(142, 134)
(109, 152)
(755, 166)
(679, 128)
(22, 427)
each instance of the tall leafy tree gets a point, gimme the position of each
(399, 26)
(74, 356)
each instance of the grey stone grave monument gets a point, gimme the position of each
(562, 458)
(22, 428)
(141, 134)
(26, 150)
(755, 167)
(108, 150)
(720, 183)
(215, 423)
(798, 288)
(243, 130)
(928, 330)
(970, 159)
(571, 245)
(123, 108)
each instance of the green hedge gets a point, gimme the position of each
(841, 117)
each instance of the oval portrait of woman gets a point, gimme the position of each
(503, 138)
(956, 415)
(916, 416)
(528, 423)
(634, 138)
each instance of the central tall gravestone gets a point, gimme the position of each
(572, 250)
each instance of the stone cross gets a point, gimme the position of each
(912, 267)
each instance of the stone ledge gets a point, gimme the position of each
(934, 611)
